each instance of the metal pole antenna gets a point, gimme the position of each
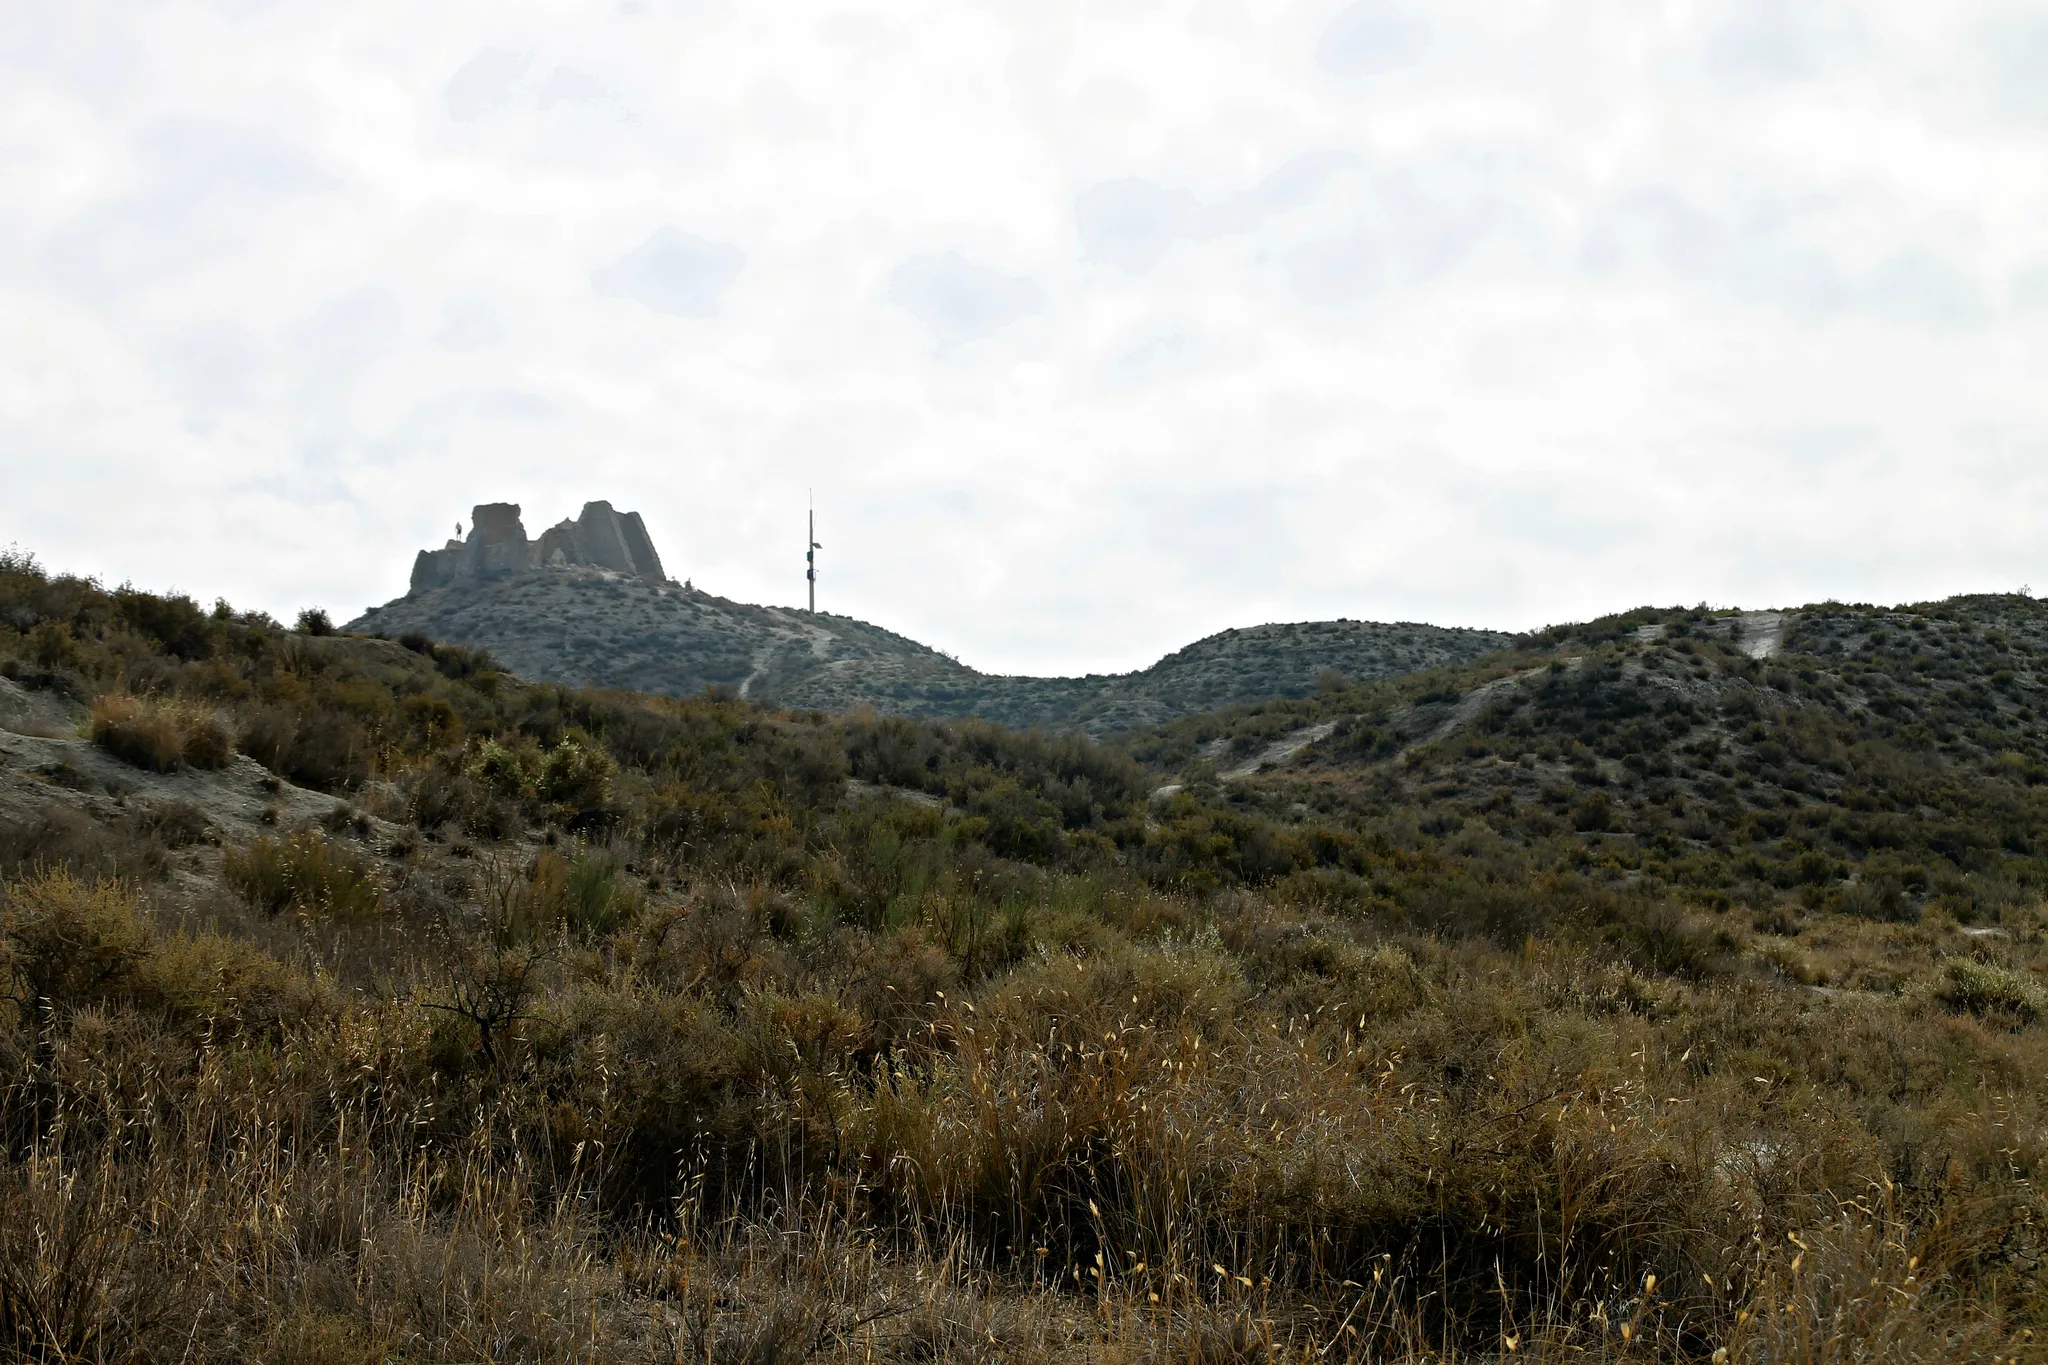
(811, 560)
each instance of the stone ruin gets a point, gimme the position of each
(497, 544)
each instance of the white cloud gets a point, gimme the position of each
(958, 300)
(2017, 43)
(485, 83)
(1130, 222)
(1369, 37)
(673, 272)
(1094, 328)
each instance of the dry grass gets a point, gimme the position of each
(159, 735)
(648, 1043)
(1989, 991)
(1267, 1136)
(305, 871)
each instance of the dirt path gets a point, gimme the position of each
(1470, 705)
(759, 659)
(1280, 750)
(794, 631)
(1760, 633)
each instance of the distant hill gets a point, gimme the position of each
(1865, 757)
(604, 618)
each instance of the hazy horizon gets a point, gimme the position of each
(1095, 330)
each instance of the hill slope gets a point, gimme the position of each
(1881, 760)
(429, 1007)
(589, 626)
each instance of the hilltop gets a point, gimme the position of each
(556, 611)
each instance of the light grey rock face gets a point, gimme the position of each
(427, 571)
(597, 531)
(641, 546)
(604, 537)
(495, 523)
(497, 545)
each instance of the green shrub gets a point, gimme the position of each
(1989, 991)
(306, 871)
(1593, 815)
(594, 902)
(583, 894)
(68, 941)
(443, 793)
(464, 665)
(578, 774)
(227, 984)
(1664, 939)
(508, 768)
(432, 723)
(175, 622)
(1879, 898)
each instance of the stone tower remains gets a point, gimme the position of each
(497, 545)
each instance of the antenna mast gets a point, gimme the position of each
(811, 558)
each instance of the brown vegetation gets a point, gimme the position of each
(157, 734)
(642, 1039)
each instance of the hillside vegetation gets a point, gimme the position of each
(1883, 763)
(589, 627)
(1619, 997)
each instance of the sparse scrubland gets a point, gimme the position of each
(586, 626)
(1611, 997)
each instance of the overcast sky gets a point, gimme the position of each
(1095, 327)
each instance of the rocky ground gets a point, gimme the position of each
(62, 793)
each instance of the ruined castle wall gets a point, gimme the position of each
(497, 544)
(641, 545)
(597, 532)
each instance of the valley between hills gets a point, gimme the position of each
(560, 963)
(580, 608)
(594, 628)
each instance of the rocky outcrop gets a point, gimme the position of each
(606, 538)
(497, 545)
